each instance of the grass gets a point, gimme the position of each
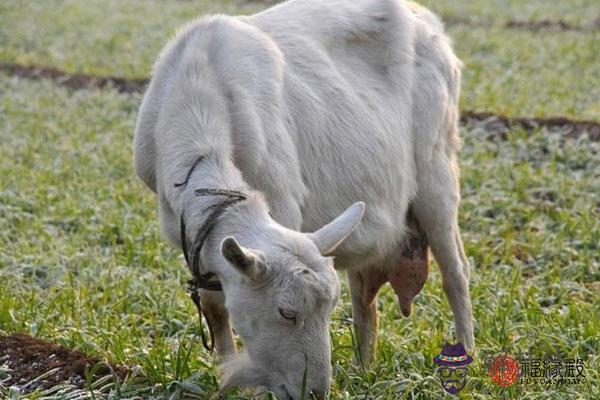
(111, 37)
(82, 264)
(106, 37)
(523, 74)
(582, 12)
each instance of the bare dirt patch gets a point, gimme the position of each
(25, 358)
(75, 81)
(542, 25)
(500, 125)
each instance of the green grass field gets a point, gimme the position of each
(82, 263)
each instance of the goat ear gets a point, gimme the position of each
(241, 258)
(331, 235)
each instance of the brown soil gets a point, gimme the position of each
(496, 124)
(26, 358)
(544, 25)
(75, 81)
(500, 125)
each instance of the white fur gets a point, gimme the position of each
(309, 106)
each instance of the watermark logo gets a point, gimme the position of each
(550, 370)
(504, 371)
(453, 367)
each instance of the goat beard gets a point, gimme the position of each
(240, 371)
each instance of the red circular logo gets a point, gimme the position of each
(504, 371)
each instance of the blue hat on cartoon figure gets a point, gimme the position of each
(453, 355)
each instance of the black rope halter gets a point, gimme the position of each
(192, 256)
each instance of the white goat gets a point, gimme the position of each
(300, 111)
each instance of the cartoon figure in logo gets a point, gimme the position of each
(453, 364)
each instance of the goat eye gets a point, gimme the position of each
(287, 314)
